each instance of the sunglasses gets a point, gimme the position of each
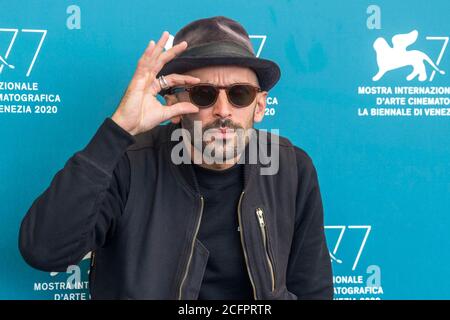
(204, 95)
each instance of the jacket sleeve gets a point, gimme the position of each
(78, 212)
(309, 274)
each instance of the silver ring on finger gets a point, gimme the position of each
(163, 82)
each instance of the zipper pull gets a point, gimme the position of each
(260, 215)
(92, 259)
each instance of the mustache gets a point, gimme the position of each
(222, 123)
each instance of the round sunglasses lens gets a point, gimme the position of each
(203, 95)
(242, 95)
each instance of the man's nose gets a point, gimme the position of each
(222, 108)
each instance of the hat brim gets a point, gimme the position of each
(267, 71)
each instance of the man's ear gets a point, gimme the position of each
(170, 100)
(260, 108)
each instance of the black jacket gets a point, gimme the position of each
(125, 200)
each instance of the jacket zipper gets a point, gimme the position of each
(192, 248)
(262, 225)
(92, 269)
(92, 259)
(243, 247)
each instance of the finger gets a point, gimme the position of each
(173, 80)
(145, 58)
(140, 76)
(178, 109)
(168, 55)
(145, 75)
(156, 49)
(159, 47)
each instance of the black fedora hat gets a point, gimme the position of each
(219, 41)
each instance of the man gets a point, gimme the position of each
(161, 228)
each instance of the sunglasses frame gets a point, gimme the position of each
(217, 89)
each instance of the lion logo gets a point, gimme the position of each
(391, 58)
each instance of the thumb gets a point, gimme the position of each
(180, 108)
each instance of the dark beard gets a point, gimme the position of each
(188, 124)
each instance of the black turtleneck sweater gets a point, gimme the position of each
(226, 274)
